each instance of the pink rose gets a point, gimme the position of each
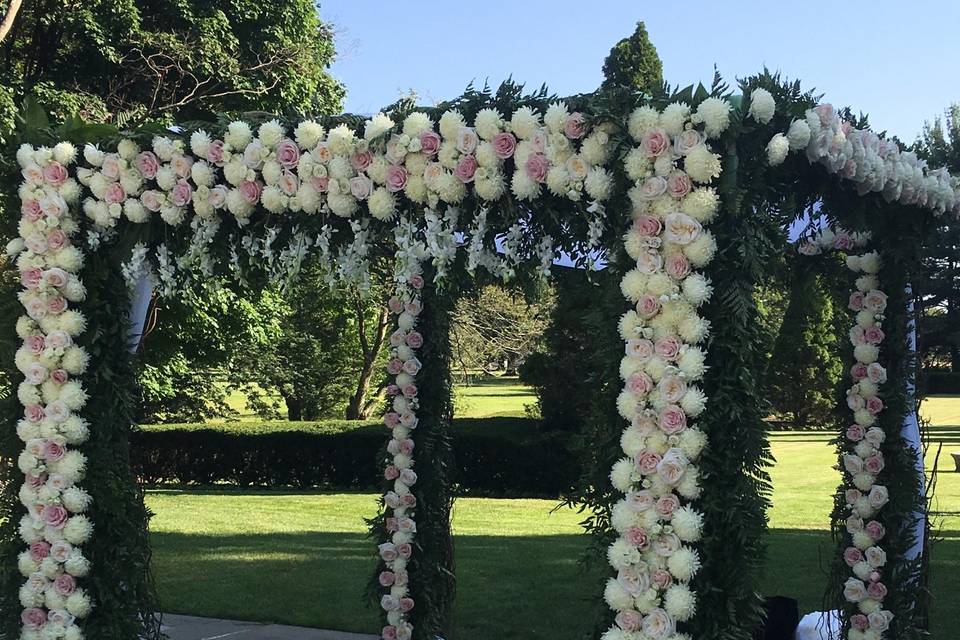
(876, 373)
(667, 347)
(679, 185)
(648, 306)
(874, 405)
(648, 226)
(413, 307)
(858, 335)
(859, 621)
(855, 402)
(640, 383)
(115, 193)
(395, 366)
(874, 464)
(842, 242)
(877, 590)
(387, 578)
(640, 348)
(672, 419)
(875, 530)
(148, 164)
(537, 166)
(406, 604)
(59, 376)
(573, 127)
(54, 516)
(406, 447)
(30, 209)
(687, 141)
(654, 142)
(873, 335)
(57, 305)
(34, 344)
(53, 451)
(250, 190)
(391, 419)
(396, 178)
(391, 472)
(408, 477)
(667, 504)
(320, 185)
(152, 200)
(647, 462)
(672, 388)
(638, 537)
(388, 552)
(538, 141)
(678, 266)
(361, 160)
(33, 413)
(416, 281)
(661, 578)
(395, 304)
(467, 140)
(852, 556)
(289, 182)
(852, 495)
(504, 144)
(30, 278)
(65, 584)
(653, 187)
(393, 390)
(825, 111)
(408, 499)
(429, 143)
(855, 433)
(215, 152)
(360, 187)
(875, 301)
(55, 277)
(414, 340)
(39, 550)
(466, 168)
(182, 193)
(628, 620)
(405, 550)
(33, 618)
(55, 173)
(640, 501)
(859, 371)
(389, 632)
(391, 524)
(288, 154)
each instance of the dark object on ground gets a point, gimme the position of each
(956, 460)
(783, 616)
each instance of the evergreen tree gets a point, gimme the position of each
(633, 62)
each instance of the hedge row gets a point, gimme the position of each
(941, 381)
(494, 456)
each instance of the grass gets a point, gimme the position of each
(302, 558)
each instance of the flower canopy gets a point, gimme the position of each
(670, 192)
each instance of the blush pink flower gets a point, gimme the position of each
(667, 347)
(679, 185)
(288, 153)
(574, 127)
(859, 371)
(114, 193)
(396, 178)
(672, 419)
(640, 383)
(875, 530)
(504, 144)
(414, 340)
(416, 281)
(648, 226)
(33, 618)
(661, 578)
(39, 550)
(667, 504)
(855, 432)
(65, 584)
(53, 451)
(648, 306)
(678, 266)
(638, 537)
(30, 278)
(250, 190)
(647, 462)
(30, 209)
(147, 164)
(654, 142)
(628, 620)
(361, 160)
(215, 152)
(852, 556)
(55, 174)
(182, 193)
(874, 405)
(537, 167)
(466, 168)
(54, 516)
(429, 143)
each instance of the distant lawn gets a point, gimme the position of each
(493, 396)
(303, 558)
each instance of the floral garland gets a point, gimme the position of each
(862, 459)
(54, 526)
(344, 174)
(872, 163)
(657, 524)
(401, 420)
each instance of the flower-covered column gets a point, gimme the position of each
(401, 418)
(654, 556)
(54, 528)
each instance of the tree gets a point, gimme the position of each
(805, 366)
(633, 62)
(128, 61)
(938, 292)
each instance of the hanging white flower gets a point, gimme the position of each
(777, 149)
(762, 105)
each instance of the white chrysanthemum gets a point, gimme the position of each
(488, 123)
(799, 134)
(416, 189)
(77, 530)
(866, 353)
(485, 155)
(632, 442)
(777, 149)
(78, 604)
(701, 251)
(450, 188)
(866, 282)
(693, 402)
(621, 554)
(416, 123)
(628, 404)
(660, 284)
(598, 184)
(342, 204)
(689, 485)
(308, 134)
(714, 114)
(641, 120)
(680, 602)
(238, 135)
(684, 564)
(491, 186)
(687, 523)
(701, 204)
(692, 328)
(655, 368)
(691, 362)
(673, 118)
(523, 187)
(616, 597)
(634, 284)
(128, 149)
(524, 122)
(702, 165)
(382, 204)
(870, 263)
(629, 325)
(636, 163)
(377, 126)
(270, 133)
(621, 476)
(630, 366)
(558, 180)
(622, 517)
(596, 147)
(64, 153)
(450, 123)
(340, 140)
(556, 117)
(762, 105)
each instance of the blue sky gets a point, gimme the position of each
(894, 60)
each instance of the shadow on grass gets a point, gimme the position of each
(509, 587)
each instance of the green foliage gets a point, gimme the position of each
(633, 62)
(805, 366)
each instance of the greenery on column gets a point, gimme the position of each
(431, 568)
(120, 582)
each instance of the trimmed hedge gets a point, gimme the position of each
(937, 381)
(494, 456)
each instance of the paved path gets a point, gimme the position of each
(193, 628)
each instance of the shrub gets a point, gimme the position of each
(494, 456)
(940, 381)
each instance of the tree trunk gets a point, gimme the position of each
(8, 19)
(294, 407)
(358, 407)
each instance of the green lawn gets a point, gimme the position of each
(304, 559)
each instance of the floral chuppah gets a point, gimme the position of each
(513, 181)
